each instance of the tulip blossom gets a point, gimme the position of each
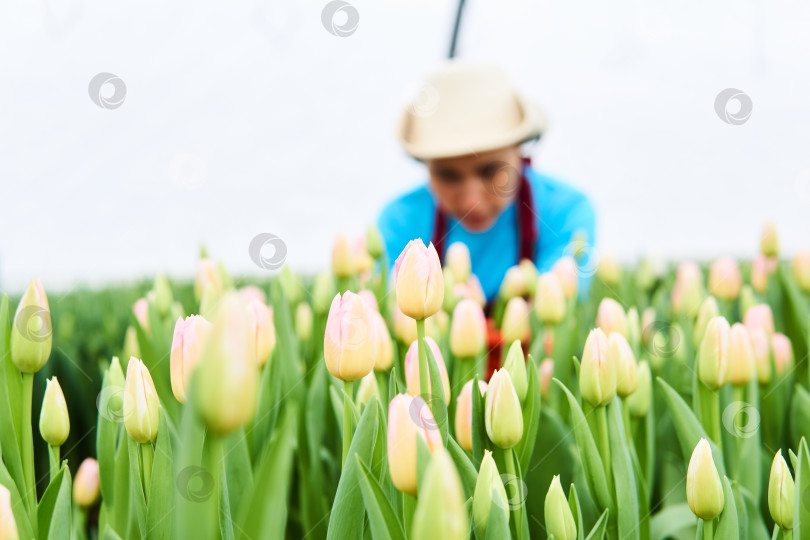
(419, 280)
(141, 310)
(363, 262)
(762, 354)
(782, 353)
(207, 276)
(368, 389)
(412, 369)
(559, 520)
(769, 241)
(476, 291)
(609, 271)
(8, 526)
(489, 490)
(625, 361)
(567, 274)
(457, 260)
(54, 423)
(708, 311)
(713, 362)
(86, 487)
(374, 241)
(370, 300)
(515, 364)
(342, 257)
(801, 269)
(687, 293)
(530, 275)
(638, 403)
(515, 324)
(31, 330)
(742, 362)
(725, 280)
(513, 284)
(189, 334)
(141, 404)
(610, 317)
(545, 373)
(759, 316)
(303, 321)
(549, 299)
(503, 417)
(440, 510)
(350, 342)
(781, 490)
(468, 330)
(408, 418)
(759, 273)
(597, 372)
(464, 414)
(262, 330)
(704, 492)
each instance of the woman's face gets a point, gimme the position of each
(475, 188)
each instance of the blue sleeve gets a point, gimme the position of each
(406, 218)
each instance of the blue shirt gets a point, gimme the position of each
(560, 210)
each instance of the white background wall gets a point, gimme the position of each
(248, 117)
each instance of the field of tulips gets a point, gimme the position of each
(385, 399)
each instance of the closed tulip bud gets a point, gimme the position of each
(762, 354)
(141, 310)
(404, 327)
(8, 526)
(769, 241)
(549, 300)
(224, 277)
(163, 295)
(704, 492)
(759, 273)
(568, 275)
(32, 330)
(54, 423)
(713, 363)
(688, 292)
(515, 364)
(609, 271)
(141, 404)
(650, 270)
(368, 388)
(647, 325)
(781, 493)
(189, 335)
(468, 331)
(742, 365)
(476, 291)
(412, 369)
(457, 261)
(451, 293)
(801, 269)
(638, 403)
(303, 321)
(408, 418)
(579, 244)
(440, 511)
(708, 311)
(489, 490)
(515, 324)
(210, 300)
(419, 280)
(513, 284)
(385, 348)
(363, 262)
(759, 316)
(597, 373)
(530, 275)
(342, 257)
(227, 380)
(560, 522)
(503, 415)
(611, 317)
(782, 353)
(374, 242)
(724, 278)
(131, 346)
(370, 300)
(262, 330)
(625, 361)
(464, 414)
(207, 274)
(323, 290)
(86, 487)
(442, 324)
(545, 373)
(251, 292)
(350, 342)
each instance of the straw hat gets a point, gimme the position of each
(467, 107)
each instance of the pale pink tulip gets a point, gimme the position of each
(189, 334)
(419, 280)
(350, 342)
(567, 272)
(262, 330)
(782, 353)
(412, 369)
(759, 316)
(725, 280)
(464, 414)
(408, 418)
(468, 331)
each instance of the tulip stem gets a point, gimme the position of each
(147, 457)
(604, 443)
(348, 387)
(516, 499)
(27, 442)
(708, 529)
(53, 455)
(423, 365)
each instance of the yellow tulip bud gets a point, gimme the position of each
(503, 416)
(530, 275)
(207, 275)
(323, 290)
(611, 317)
(440, 511)
(597, 373)
(163, 295)
(476, 292)
(515, 364)
(713, 364)
(368, 388)
(769, 241)
(350, 342)
(262, 330)
(568, 275)
(374, 242)
(515, 324)
(468, 331)
(32, 330)
(342, 257)
(708, 311)
(688, 293)
(131, 347)
(227, 376)
(464, 414)
(801, 269)
(419, 280)
(408, 418)
(625, 361)
(549, 300)
(781, 493)
(742, 363)
(412, 370)
(725, 280)
(545, 373)
(303, 321)
(759, 273)
(782, 353)
(141, 404)
(457, 260)
(559, 520)
(609, 271)
(513, 284)
(489, 490)
(54, 423)
(86, 487)
(704, 491)
(638, 403)
(8, 526)
(189, 335)
(363, 262)
(762, 354)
